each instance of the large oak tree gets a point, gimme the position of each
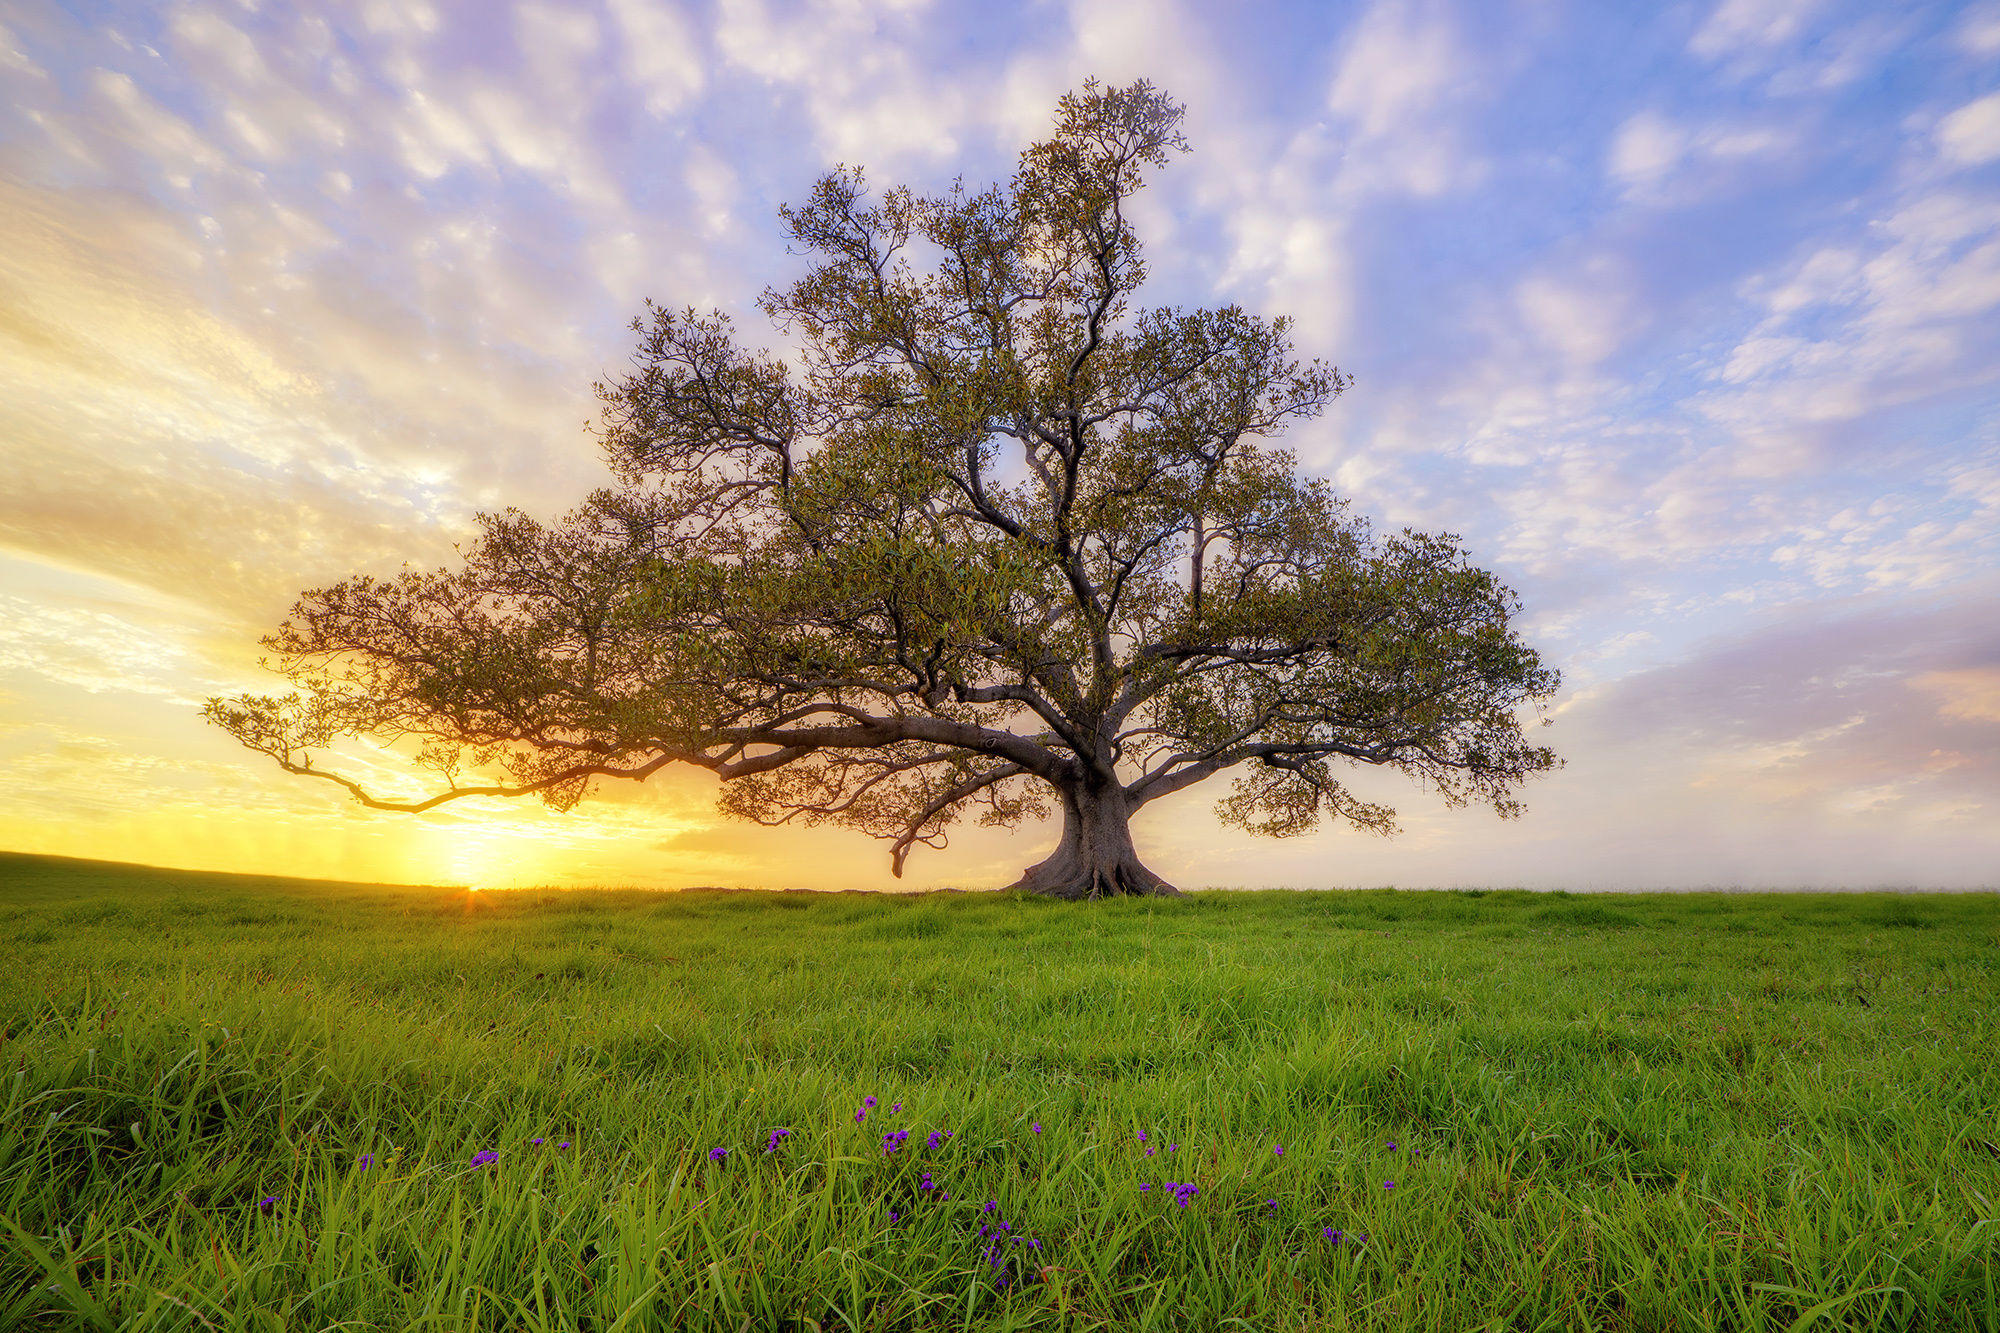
(999, 542)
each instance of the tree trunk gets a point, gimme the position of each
(1095, 858)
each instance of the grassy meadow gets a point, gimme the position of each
(233, 1103)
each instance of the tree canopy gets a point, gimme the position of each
(997, 541)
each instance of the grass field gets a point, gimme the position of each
(255, 1104)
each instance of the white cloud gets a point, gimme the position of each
(660, 52)
(1855, 329)
(406, 19)
(1582, 313)
(14, 58)
(1401, 63)
(1842, 57)
(149, 128)
(1970, 135)
(1646, 148)
(712, 182)
(204, 31)
(866, 86)
(434, 137)
(1659, 160)
(1979, 33)
(1738, 25)
(1398, 80)
(555, 43)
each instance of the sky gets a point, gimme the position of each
(1683, 315)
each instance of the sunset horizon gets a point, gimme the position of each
(1697, 353)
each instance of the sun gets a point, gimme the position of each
(502, 857)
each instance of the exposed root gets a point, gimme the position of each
(1075, 881)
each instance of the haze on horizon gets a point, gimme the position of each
(1684, 317)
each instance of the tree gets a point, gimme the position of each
(1001, 542)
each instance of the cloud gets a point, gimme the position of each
(1809, 748)
(556, 43)
(660, 53)
(137, 122)
(857, 69)
(1397, 81)
(14, 58)
(1897, 314)
(97, 648)
(1813, 707)
(1402, 62)
(1660, 160)
(411, 20)
(1970, 135)
(1971, 694)
(1979, 31)
(1581, 313)
(1736, 26)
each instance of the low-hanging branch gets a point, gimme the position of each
(999, 543)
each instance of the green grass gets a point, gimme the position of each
(1634, 1111)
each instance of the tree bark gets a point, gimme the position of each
(1095, 858)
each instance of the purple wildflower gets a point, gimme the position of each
(990, 1206)
(1150, 1151)
(894, 1216)
(267, 1203)
(482, 1158)
(860, 1114)
(365, 1160)
(1036, 1127)
(717, 1154)
(1388, 1184)
(1172, 1146)
(563, 1144)
(1331, 1233)
(1142, 1136)
(538, 1142)
(1392, 1146)
(1034, 1245)
(1143, 1187)
(897, 1109)
(1272, 1204)
(1278, 1148)
(868, 1100)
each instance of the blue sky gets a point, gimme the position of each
(1683, 315)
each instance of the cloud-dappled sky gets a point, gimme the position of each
(1686, 316)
